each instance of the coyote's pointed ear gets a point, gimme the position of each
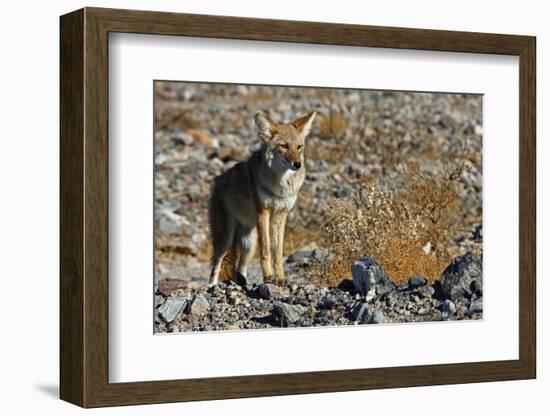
(303, 124)
(266, 126)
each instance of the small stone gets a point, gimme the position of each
(426, 291)
(342, 192)
(159, 300)
(303, 255)
(171, 308)
(167, 286)
(171, 223)
(327, 303)
(181, 138)
(300, 300)
(201, 137)
(217, 291)
(417, 281)
(270, 291)
(448, 308)
(373, 316)
(284, 314)
(477, 287)
(475, 307)
(234, 298)
(233, 288)
(392, 298)
(198, 306)
(478, 130)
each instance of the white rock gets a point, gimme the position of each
(171, 308)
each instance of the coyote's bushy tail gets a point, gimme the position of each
(221, 235)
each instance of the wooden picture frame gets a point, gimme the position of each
(84, 207)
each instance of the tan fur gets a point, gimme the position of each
(250, 201)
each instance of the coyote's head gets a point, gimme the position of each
(284, 143)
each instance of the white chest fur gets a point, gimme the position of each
(281, 194)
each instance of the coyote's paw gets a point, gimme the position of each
(269, 279)
(281, 282)
(281, 279)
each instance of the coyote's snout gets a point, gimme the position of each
(250, 201)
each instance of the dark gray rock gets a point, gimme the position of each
(327, 303)
(170, 309)
(477, 287)
(346, 285)
(284, 314)
(369, 278)
(373, 316)
(477, 233)
(342, 192)
(198, 306)
(458, 277)
(356, 313)
(475, 307)
(417, 281)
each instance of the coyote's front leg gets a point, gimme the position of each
(265, 247)
(278, 222)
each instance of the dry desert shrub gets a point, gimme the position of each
(408, 231)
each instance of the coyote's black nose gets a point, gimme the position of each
(296, 165)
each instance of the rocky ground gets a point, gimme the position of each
(201, 130)
(370, 298)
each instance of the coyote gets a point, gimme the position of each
(250, 201)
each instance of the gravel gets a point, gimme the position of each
(228, 305)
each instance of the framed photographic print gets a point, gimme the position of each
(242, 198)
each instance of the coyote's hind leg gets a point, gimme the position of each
(246, 238)
(222, 230)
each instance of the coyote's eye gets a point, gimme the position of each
(300, 147)
(284, 146)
